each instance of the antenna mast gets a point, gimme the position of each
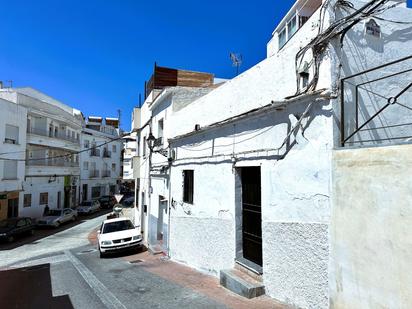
(236, 61)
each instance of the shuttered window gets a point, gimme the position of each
(44, 198)
(10, 169)
(27, 200)
(12, 134)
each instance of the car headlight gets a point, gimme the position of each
(138, 237)
(106, 242)
(3, 234)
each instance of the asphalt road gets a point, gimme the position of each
(65, 271)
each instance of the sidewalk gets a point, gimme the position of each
(195, 280)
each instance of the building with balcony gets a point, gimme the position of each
(100, 163)
(52, 132)
(13, 119)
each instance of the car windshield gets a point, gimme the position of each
(87, 204)
(117, 226)
(7, 223)
(104, 198)
(54, 212)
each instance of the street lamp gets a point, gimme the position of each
(150, 141)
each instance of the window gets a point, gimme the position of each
(113, 167)
(160, 128)
(86, 144)
(282, 38)
(12, 134)
(292, 27)
(304, 79)
(85, 165)
(27, 200)
(77, 136)
(10, 169)
(188, 186)
(95, 192)
(113, 148)
(56, 131)
(144, 147)
(44, 198)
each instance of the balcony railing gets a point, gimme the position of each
(94, 152)
(94, 174)
(51, 162)
(106, 173)
(107, 154)
(52, 134)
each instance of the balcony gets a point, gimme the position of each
(107, 153)
(94, 174)
(106, 173)
(51, 162)
(53, 134)
(94, 152)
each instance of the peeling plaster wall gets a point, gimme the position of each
(370, 229)
(295, 200)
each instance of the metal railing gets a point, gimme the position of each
(94, 174)
(106, 173)
(94, 152)
(362, 108)
(52, 134)
(51, 162)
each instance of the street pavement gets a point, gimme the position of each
(64, 271)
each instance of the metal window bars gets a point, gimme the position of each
(352, 131)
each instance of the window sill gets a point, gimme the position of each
(16, 144)
(9, 179)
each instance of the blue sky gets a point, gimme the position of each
(95, 54)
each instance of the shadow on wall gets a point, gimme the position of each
(256, 123)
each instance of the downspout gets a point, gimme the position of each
(169, 206)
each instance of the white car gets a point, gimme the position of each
(88, 207)
(55, 217)
(118, 234)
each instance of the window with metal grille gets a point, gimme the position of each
(27, 200)
(188, 186)
(44, 198)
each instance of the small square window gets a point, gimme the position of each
(113, 148)
(12, 134)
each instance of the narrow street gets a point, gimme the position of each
(64, 270)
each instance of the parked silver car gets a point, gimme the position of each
(56, 217)
(88, 207)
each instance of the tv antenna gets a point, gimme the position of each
(236, 61)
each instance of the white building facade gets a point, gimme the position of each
(52, 145)
(13, 120)
(100, 158)
(249, 175)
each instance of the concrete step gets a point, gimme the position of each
(155, 249)
(240, 283)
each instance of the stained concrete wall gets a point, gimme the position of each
(371, 227)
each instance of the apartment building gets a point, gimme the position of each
(100, 158)
(13, 119)
(52, 143)
(168, 91)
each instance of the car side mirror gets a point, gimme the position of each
(98, 232)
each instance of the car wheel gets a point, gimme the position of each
(31, 232)
(74, 218)
(57, 224)
(102, 255)
(10, 238)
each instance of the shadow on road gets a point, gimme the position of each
(124, 253)
(40, 233)
(30, 287)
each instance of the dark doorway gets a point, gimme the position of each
(13, 208)
(66, 197)
(251, 215)
(84, 192)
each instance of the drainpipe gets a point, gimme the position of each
(169, 207)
